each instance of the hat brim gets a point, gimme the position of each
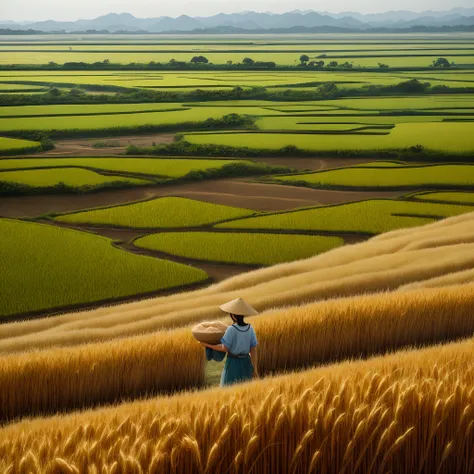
(238, 307)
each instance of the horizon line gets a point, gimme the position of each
(268, 12)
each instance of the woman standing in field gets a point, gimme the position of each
(240, 343)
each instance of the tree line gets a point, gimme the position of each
(304, 92)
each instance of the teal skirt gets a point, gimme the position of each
(237, 370)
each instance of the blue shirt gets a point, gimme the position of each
(239, 339)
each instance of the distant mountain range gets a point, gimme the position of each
(294, 21)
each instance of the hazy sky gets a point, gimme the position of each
(21, 10)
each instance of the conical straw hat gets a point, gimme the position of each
(239, 307)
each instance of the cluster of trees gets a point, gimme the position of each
(305, 61)
(442, 63)
(313, 91)
(203, 63)
(199, 60)
(412, 86)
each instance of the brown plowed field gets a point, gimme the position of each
(232, 192)
(84, 146)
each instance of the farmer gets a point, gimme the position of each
(240, 343)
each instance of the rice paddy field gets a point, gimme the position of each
(388, 50)
(187, 80)
(46, 267)
(429, 176)
(242, 248)
(164, 80)
(441, 137)
(440, 124)
(282, 58)
(71, 109)
(107, 121)
(342, 209)
(74, 177)
(371, 217)
(169, 212)
(158, 167)
(464, 197)
(19, 88)
(13, 145)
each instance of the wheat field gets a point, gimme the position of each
(33, 383)
(64, 379)
(420, 256)
(406, 412)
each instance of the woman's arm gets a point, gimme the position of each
(217, 347)
(254, 357)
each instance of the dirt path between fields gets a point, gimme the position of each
(83, 147)
(231, 192)
(311, 164)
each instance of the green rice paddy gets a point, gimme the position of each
(243, 248)
(448, 137)
(18, 88)
(456, 197)
(96, 122)
(166, 212)
(46, 267)
(369, 217)
(306, 124)
(16, 145)
(307, 44)
(73, 177)
(363, 59)
(158, 167)
(403, 103)
(190, 80)
(72, 109)
(389, 177)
